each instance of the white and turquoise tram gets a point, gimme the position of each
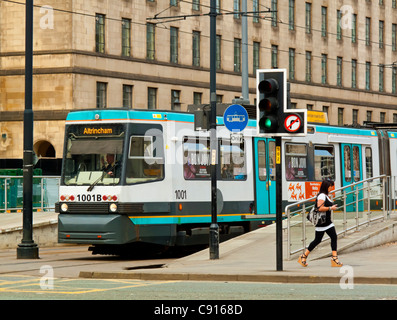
(143, 176)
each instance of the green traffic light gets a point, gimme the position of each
(268, 123)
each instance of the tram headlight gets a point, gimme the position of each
(113, 207)
(64, 207)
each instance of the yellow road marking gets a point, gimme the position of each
(58, 288)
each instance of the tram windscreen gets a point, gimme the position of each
(92, 159)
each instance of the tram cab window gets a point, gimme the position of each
(324, 163)
(145, 161)
(296, 161)
(196, 158)
(232, 160)
(92, 160)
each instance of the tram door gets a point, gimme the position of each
(351, 173)
(265, 175)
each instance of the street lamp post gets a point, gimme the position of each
(27, 249)
(214, 228)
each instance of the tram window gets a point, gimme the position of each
(368, 162)
(324, 163)
(272, 160)
(295, 161)
(232, 160)
(145, 161)
(262, 160)
(347, 163)
(356, 163)
(196, 158)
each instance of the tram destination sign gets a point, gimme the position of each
(96, 130)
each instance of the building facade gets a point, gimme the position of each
(341, 58)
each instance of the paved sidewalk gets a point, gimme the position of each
(252, 257)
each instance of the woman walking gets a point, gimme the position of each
(324, 204)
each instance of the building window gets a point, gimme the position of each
(173, 3)
(291, 64)
(175, 100)
(324, 20)
(382, 117)
(338, 25)
(255, 9)
(274, 13)
(150, 41)
(355, 116)
(127, 96)
(236, 8)
(340, 117)
(381, 78)
(308, 18)
(126, 37)
(152, 98)
(255, 58)
(308, 66)
(354, 73)
(291, 15)
(354, 28)
(196, 5)
(324, 72)
(381, 33)
(367, 31)
(237, 55)
(100, 33)
(196, 48)
(339, 71)
(394, 37)
(367, 75)
(101, 94)
(197, 97)
(173, 45)
(393, 80)
(274, 56)
(369, 115)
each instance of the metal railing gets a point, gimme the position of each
(359, 204)
(45, 193)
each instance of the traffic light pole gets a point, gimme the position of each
(214, 228)
(279, 208)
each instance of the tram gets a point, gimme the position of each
(143, 176)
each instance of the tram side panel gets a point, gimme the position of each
(308, 160)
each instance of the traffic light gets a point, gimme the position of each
(273, 116)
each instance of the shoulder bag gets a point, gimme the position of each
(315, 216)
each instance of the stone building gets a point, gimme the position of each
(341, 58)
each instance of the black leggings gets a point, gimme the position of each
(319, 236)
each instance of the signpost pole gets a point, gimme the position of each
(214, 228)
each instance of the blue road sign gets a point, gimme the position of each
(235, 118)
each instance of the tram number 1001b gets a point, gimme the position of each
(180, 194)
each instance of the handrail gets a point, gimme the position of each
(44, 196)
(358, 189)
